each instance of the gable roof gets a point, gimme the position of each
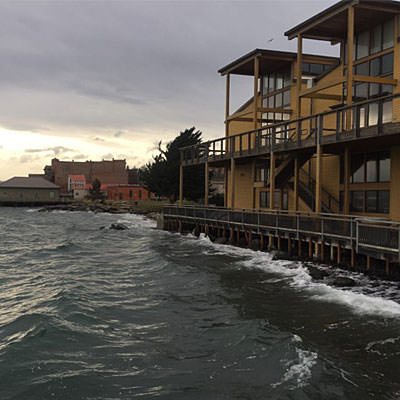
(20, 182)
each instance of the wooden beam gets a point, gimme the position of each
(206, 182)
(181, 185)
(350, 54)
(271, 180)
(375, 79)
(232, 185)
(299, 74)
(320, 87)
(346, 181)
(318, 180)
(226, 187)
(296, 184)
(255, 95)
(277, 110)
(379, 8)
(227, 102)
(323, 96)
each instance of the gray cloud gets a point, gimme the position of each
(118, 134)
(80, 157)
(97, 139)
(103, 69)
(57, 150)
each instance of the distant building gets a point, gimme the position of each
(76, 186)
(128, 193)
(28, 191)
(107, 172)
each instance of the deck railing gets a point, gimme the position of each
(329, 126)
(361, 233)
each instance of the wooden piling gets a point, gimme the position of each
(289, 245)
(310, 252)
(299, 247)
(353, 257)
(279, 243)
(339, 254)
(368, 263)
(387, 268)
(261, 242)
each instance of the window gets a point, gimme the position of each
(356, 201)
(51, 195)
(381, 37)
(261, 172)
(377, 201)
(384, 167)
(369, 167)
(264, 199)
(388, 34)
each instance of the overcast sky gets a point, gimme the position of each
(101, 79)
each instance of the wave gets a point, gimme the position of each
(374, 302)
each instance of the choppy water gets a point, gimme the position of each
(100, 314)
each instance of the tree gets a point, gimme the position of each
(95, 192)
(161, 175)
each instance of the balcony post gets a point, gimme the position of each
(206, 182)
(350, 56)
(299, 73)
(181, 185)
(255, 98)
(227, 102)
(318, 179)
(271, 180)
(232, 185)
(346, 179)
(296, 184)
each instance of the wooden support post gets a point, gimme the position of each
(310, 247)
(279, 242)
(206, 229)
(296, 184)
(339, 254)
(250, 238)
(237, 236)
(350, 56)
(289, 245)
(224, 232)
(299, 73)
(322, 252)
(318, 180)
(206, 182)
(255, 98)
(332, 253)
(299, 244)
(316, 248)
(227, 103)
(181, 185)
(261, 242)
(353, 257)
(368, 263)
(231, 236)
(218, 231)
(270, 242)
(272, 180)
(387, 267)
(346, 181)
(232, 185)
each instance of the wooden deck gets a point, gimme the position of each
(373, 237)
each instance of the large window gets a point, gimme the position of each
(370, 167)
(276, 94)
(373, 41)
(281, 199)
(368, 201)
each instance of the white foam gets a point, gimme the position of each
(297, 276)
(299, 371)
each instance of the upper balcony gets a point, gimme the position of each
(368, 120)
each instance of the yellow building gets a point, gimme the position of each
(321, 135)
(315, 145)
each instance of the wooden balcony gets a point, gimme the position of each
(329, 129)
